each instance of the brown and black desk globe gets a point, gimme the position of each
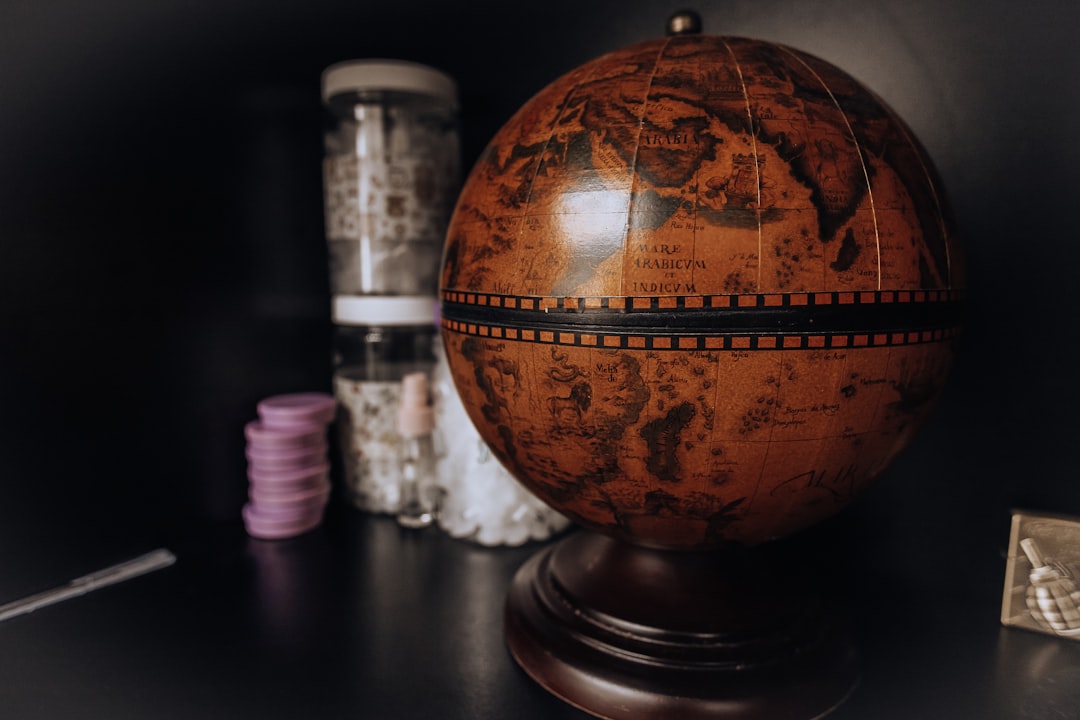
(696, 294)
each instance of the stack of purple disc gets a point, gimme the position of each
(288, 468)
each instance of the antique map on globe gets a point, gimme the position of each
(700, 289)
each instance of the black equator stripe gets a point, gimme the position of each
(832, 318)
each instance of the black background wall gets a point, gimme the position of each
(162, 265)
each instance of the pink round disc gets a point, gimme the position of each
(284, 515)
(266, 438)
(282, 501)
(260, 525)
(288, 411)
(289, 479)
(285, 459)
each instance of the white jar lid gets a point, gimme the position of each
(384, 310)
(377, 74)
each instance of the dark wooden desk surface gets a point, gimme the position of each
(363, 619)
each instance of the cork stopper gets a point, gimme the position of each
(416, 416)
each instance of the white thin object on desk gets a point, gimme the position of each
(111, 575)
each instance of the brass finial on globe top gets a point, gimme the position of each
(684, 22)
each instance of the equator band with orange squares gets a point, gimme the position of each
(817, 320)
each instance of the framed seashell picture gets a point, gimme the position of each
(1042, 575)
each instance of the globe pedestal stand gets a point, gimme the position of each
(624, 632)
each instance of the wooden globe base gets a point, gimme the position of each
(622, 631)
